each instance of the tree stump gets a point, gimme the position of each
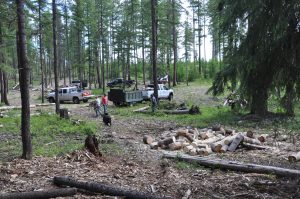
(92, 144)
(63, 113)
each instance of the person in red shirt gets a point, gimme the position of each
(104, 102)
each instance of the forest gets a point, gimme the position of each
(213, 53)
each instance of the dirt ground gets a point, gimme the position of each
(137, 167)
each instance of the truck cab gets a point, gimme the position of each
(163, 92)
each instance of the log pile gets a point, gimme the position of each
(206, 141)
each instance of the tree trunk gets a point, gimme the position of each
(154, 45)
(5, 88)
(41, 50)
(174, 44)
(57, 103)
(102, 188)
(24, 82)
(259, 104)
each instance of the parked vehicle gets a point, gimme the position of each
(163, 80)
(78, 83)
(118, 82)
(120, 96)
(163, 92)
(70, 94)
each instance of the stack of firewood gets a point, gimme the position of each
(206, 141)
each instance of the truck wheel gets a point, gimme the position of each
(85, 100)
(76, 100)
(170, 97)
(51, 100)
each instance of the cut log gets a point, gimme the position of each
(224, 148)
(175, 146)
(166, 142)
(294, 157)
(227, 140)
(237, 166)
(105, 189)
(198, 144)
(154, 145)
(251, 141)
(250, 134)
(212, 139)
(235, 143)
(262, 137)
(186, 149)
(229, 132)
(204, 151)
(254, 146)
(216, 127)
(52, 193)
(216, 147)
(147, 139)
(195, 133)
(192, 152)
(185, 134)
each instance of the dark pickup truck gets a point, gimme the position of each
(118, 82)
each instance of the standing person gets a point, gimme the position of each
(104, 102)
(98, 106)
(153, 102)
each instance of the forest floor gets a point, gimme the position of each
(129, 163)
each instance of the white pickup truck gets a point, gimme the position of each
(69, 94)
(163, 92)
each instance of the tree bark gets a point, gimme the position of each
(154, 45)
(174, 44)
(105, 189)
(237, 166)
(52, 193)
(24, 82)
(57, 103)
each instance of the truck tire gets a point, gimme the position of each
(76, 100)
(170, 97)
(85, 100)
(51, 100)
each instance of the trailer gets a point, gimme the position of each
(122, 97)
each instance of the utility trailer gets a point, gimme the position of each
(122, 97)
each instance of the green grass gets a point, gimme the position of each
(51, 135)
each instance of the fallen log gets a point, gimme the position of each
(105, 189)
(235, 143)
(224, 148)
(52, 193)
(254, 146)
(176, 111)
(142, 109)
(294, 157)
(236, 166)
